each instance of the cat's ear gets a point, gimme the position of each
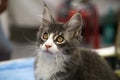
(74, 25)
(47, 16)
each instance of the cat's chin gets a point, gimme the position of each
(48, 52)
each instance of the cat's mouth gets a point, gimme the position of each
(48, 52)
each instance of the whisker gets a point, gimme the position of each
(72, 47)
(35, 52)
(30, 41)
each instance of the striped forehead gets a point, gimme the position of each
(56, 28)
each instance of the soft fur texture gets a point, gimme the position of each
(65, 60)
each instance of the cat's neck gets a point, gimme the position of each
(58, 66)
(47, 65)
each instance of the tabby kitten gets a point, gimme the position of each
(60, 58)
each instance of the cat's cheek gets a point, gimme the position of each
(54, 50)
(42, 48)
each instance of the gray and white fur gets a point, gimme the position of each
(60, 58)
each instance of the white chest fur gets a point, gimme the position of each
(47, 65)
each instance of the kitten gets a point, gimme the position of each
(60, 58)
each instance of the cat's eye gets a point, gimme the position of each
(45, 36)
(60, 39)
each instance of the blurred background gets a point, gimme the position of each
(20, 20)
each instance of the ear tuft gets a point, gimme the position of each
(46, 16)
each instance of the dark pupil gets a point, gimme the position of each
(45, 36)
(60, 38)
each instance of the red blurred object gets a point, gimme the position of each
(90, 19)
(91, 26)
(96, 29)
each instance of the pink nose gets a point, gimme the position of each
(48, 46)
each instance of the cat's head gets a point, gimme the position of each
(54, 37)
